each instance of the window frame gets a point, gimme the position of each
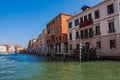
(111, 27)
(76, 22)
(110, 8)
(112, 45)
(70, 25)
(97, 14)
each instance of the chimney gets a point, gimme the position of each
(85, 8)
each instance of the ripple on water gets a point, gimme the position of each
(28, 67)
(17, 66)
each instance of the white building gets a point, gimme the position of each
(11, 48)
(98, 26)
(3, 49)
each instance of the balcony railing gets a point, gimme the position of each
(111, 31)
(98, 33)
(86, 23)
(91, 35)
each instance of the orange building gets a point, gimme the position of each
(19, 48)
(57, 34)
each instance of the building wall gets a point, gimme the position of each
(3, 49)
(11, 49)
(36, 46)
(58, 27)
(43, 43)
(31, 45)
(105, 36)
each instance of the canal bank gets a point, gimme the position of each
(31, 67)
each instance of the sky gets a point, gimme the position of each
(22, 20)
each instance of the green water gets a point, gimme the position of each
(29, 67)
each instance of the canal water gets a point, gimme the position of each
(31, 67)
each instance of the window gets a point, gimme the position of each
(112, 44)
(55, 48)
(110, 9)
(56, 38)
(111, 27)
(82, 34)
(70, 47)
(59, 48)
(98, 44)
(91, 33)
(97, 14)
(77, 46)
(81, 19)
(70, 24)
(53, 39)
(86, 33)
(87, 46)
(76, 22)
(97, 28)
(90, 16)
(77, 35)
(47, 42)
(85, 17)
(70, 36)
(60, 38)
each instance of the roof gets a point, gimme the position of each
(58, 16)
(89, 9)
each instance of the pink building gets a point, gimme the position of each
(97, 27)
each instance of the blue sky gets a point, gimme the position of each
(22, 20)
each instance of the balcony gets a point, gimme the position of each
(91, 35)
(111, 31)
(86, 23)
(82, 37)
(98, 33)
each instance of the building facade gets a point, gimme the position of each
(7, 48)
(3, 49)
(97, 28)
(57, 34)
(31, 45)
(19, 49)
(11, 48)
(43, 42)
(36, 46)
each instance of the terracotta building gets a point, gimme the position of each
(57, 34)
(19, 49)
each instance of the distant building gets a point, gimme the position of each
(3, 49)
(19, 49)
(36, 46)
(43, 42)
(7, 48)
(31, 45)
(11, 48)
